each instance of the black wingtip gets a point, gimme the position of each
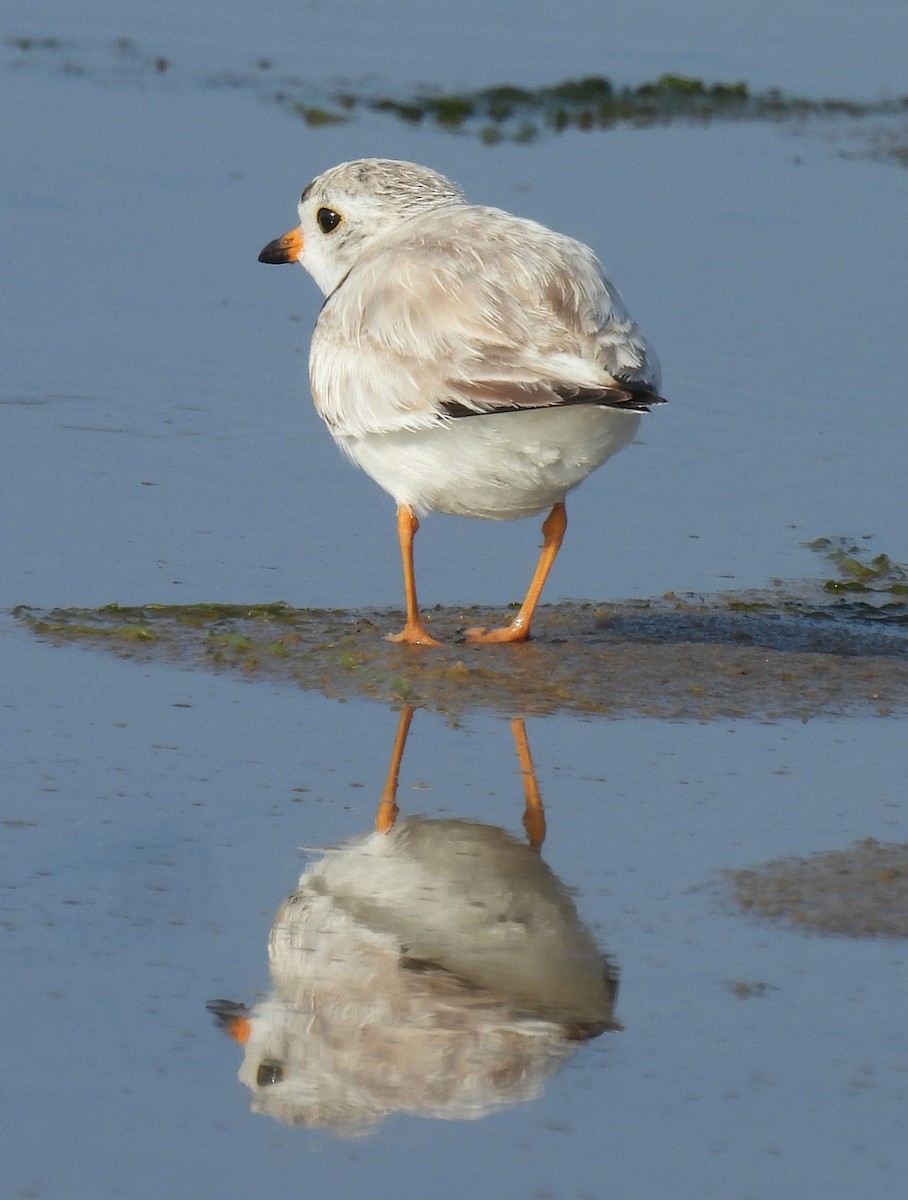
(643, 402)
(627, 396)
(638, 397)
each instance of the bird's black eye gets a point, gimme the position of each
(269, 1073)
(328, 219)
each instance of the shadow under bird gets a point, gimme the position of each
(470, 361)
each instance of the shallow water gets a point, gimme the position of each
(158, 446)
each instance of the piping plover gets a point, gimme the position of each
(472, 362)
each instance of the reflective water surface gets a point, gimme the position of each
(173, 839)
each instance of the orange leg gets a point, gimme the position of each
(533, 812)
(386, 814)
(553, 528)
(414, 631)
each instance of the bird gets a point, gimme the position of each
(470, 361)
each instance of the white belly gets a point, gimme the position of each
(500, 467)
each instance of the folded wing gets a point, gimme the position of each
(475, 312)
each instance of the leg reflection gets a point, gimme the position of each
(387, 811)
(533, 811)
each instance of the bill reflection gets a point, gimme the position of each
(432, 967)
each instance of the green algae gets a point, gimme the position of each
(515, 113)
(866, 584)
(315, 115)
(857, 570)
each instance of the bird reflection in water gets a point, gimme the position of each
(433, 967)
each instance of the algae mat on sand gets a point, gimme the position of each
(769, 656)
(823, 648)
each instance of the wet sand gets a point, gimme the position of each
(860, 892)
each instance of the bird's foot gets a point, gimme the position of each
(517, 631)
(414, 634)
